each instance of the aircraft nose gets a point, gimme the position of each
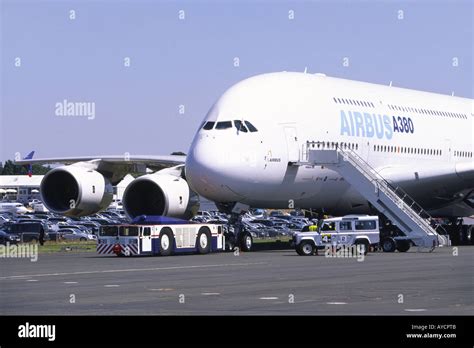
(220, 166)
(202, 163)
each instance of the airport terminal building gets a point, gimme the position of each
(20, 188)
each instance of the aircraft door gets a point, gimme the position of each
(292, 144)
(364, 150)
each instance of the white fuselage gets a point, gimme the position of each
(418, 140)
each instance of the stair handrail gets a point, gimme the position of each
(375, 177)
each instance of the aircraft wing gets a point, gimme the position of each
(114, 167)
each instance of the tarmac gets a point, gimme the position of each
(277, 282)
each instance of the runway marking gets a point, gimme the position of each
(336, 303)
(415, 310)
(210, 293)
(31, 280)
(162, 289)
(268, 298)
(111, 286)
(132, 270)
(70, 282)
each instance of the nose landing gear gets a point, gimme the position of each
(237, 234)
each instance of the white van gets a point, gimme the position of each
(340, 231)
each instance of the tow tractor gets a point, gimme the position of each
(346, 231)
(160, 235)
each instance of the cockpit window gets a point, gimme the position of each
(240, 126)
(224, 125)
(250, 126)
(208, 125)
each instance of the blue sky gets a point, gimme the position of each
(190, 62)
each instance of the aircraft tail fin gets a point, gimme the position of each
(29, 167)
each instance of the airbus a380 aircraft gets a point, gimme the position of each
(249, 145)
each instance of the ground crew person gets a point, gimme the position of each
(41, 236)
(314, 228)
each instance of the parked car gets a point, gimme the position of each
(3, 219)
(283, 217)
(32, 202)
(205, 214)
(40, 208)
(104, 221)
(58, 219)
(296, 226)
(58, 234)
(92, 226)
(257, 213)
(73, 234)
(28, 231)
(114, 215)
(30, 220)
(268, 223)
(41, 216)
(10, 238)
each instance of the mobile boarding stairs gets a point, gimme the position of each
(391, 201)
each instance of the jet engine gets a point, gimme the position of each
(75, 191)
(160, 194)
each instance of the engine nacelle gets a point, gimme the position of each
(160, 194)
(75, 191)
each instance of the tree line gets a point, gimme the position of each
(10, 168)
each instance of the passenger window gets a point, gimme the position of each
(209, 125)
(251, 127)
(146, 232)
(365, 225)
(345, 226)
(240, 126)
(224, 125)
